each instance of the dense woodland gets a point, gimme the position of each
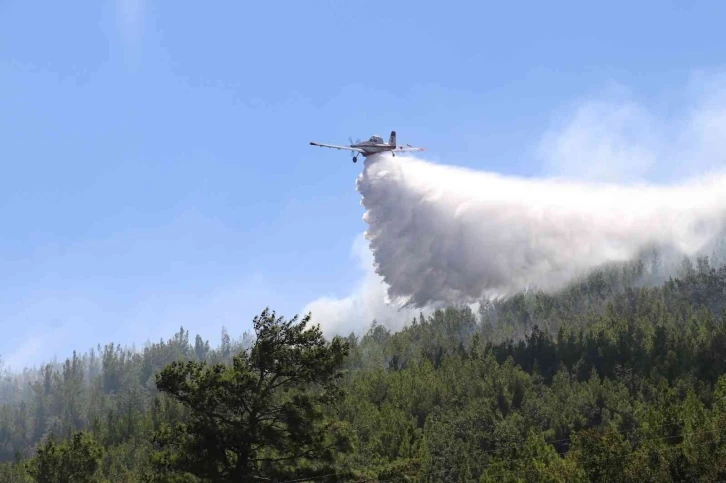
(608, 380)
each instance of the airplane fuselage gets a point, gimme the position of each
(370, 148)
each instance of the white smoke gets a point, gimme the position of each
(366, 304)
(442, 234)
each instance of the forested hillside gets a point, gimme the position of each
(609, 380)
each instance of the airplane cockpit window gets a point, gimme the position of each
(376, 139)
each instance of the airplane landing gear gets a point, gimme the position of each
(355, 159)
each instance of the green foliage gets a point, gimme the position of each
(263, 416)
(612, 379)
(76, 460)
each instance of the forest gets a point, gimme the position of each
(608, 380)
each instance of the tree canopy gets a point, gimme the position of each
(263, 416)
(607, 380)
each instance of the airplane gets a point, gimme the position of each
(374, 145)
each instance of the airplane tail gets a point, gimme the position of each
(392, 139)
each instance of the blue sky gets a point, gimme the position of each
(156, 170)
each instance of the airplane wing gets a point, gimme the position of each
(336, 147)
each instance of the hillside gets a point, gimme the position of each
(612, 379)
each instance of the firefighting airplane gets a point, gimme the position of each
(374, 145)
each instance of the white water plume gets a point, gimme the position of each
(443, 234)
(447, 234)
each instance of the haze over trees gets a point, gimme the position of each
(609, 380)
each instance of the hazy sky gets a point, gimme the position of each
(155, 163)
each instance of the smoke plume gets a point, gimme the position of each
(452, 235)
